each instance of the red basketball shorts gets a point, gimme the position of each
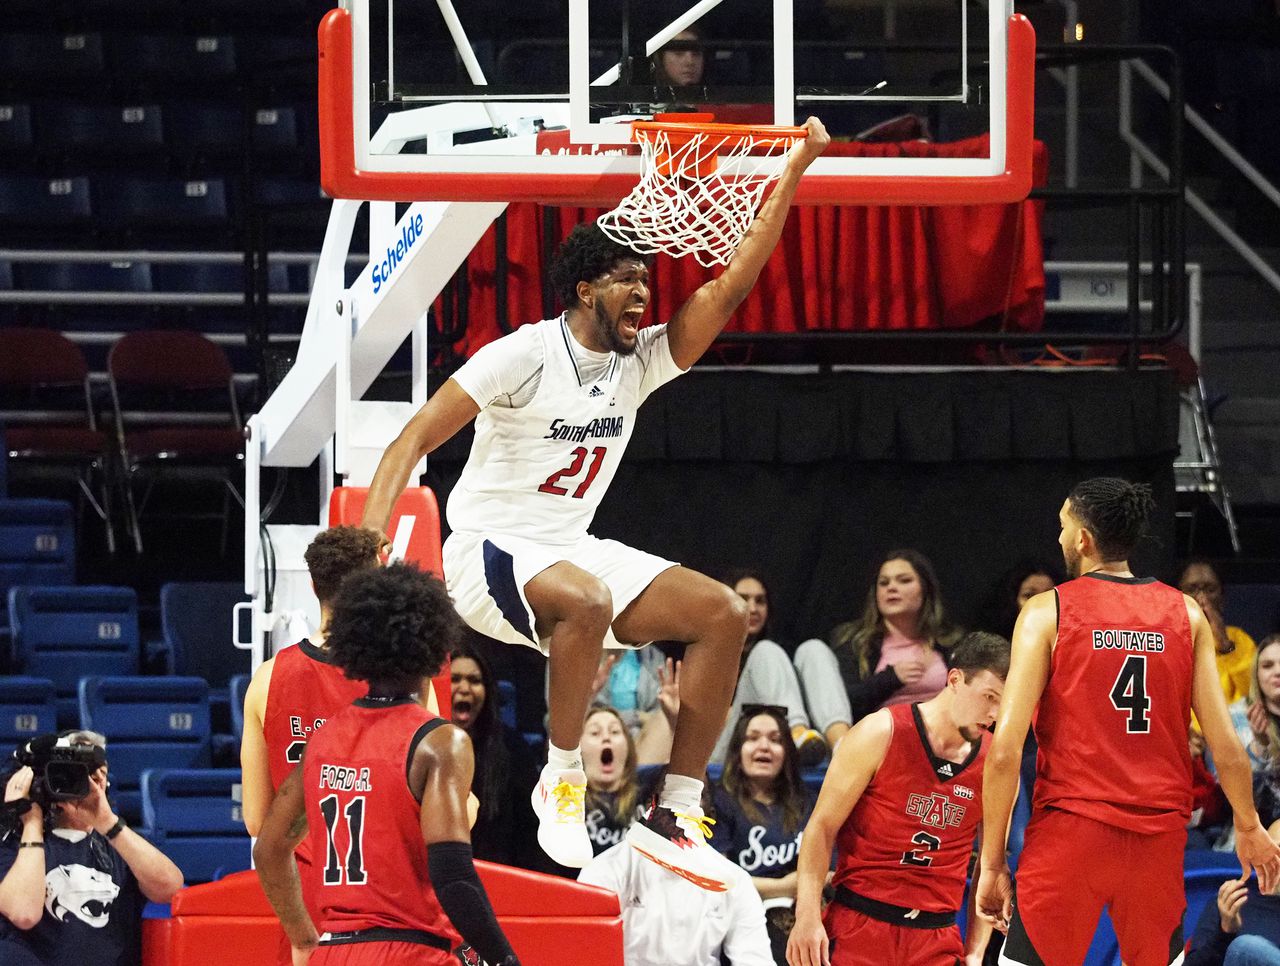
(859, 940)
(1071, 868)
(382, 954)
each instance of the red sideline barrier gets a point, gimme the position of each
(347, 507)
(229, 922)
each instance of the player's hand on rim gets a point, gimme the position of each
(995, 897)
(807, 945)
(813, 144)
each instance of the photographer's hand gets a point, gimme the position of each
(19, 788)
(22, 888)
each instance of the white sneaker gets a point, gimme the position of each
(677, 841)
(559, 801)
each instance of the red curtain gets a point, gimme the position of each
(836, 267)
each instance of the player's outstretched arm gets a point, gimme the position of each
(697, 323)
(444, 414)
(255, 767)
(284, 827)
(1253, 845)
(1033, 638)
(853, 765)
(443, 765)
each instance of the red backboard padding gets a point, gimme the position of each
(229, 922)
(347, 507)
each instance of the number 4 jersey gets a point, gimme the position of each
(369, 861)
(1113, 720)
(554, 421)
(908, 840)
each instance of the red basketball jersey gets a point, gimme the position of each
(369, 866)
(909, 838)
(1113, 719)
(305, 689)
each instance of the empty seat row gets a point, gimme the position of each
(143, 203)
(142, 277)
(186, 129)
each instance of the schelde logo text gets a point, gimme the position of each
(410, 231)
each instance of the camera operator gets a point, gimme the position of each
(74, 875)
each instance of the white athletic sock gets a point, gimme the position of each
(560, 760)
(680, 793)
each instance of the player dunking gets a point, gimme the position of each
(1111, 665)
(902, 802)
(555, 405)
(381, 798)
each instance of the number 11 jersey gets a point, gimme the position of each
(1113, 719)
(554, 421)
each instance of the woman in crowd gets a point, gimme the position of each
(1016, 586)
(765, 673)
(1236, 649)
(895, 653)
(1257, 717)
(613, 792)
(761, 807)
(506, 829)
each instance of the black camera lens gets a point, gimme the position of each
(67, 780)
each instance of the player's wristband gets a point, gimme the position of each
(30, 845)
(116, 829)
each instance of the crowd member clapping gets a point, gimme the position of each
(1235, 648)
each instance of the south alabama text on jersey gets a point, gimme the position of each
(607, 427)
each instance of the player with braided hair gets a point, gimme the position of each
(1111, 665)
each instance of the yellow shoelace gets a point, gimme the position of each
(700, 823)
(570, 801)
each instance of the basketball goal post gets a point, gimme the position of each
(454, 191)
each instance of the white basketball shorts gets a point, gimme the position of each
(486, 575)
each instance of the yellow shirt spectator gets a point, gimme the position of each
(1235, 667)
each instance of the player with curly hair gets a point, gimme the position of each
(1111, 666)
(397, 884)
(555, 404)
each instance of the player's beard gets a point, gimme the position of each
(971, 733)
(1072, 559)
(608, 329)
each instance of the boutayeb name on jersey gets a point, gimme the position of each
(606, 427)
(936, 810)
(1121, 640)
(342, 778)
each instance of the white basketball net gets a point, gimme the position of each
(691, 198)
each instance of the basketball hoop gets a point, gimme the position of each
(700, 186)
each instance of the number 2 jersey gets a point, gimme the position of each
(1113, 719)
(555, 419)
(908, 840)
(369, 866)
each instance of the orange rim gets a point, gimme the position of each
(682, 131)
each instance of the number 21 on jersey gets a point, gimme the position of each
(571, 472)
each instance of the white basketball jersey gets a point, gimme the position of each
(539, 470)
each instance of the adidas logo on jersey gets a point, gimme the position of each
(596, 392)
(944, 769)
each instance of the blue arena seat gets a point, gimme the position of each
(40, 59)
(99, 129)
(169, 202)
(215, 277)
(65, 633)
(47, 202)
(274, 130)
(85, 276)
(196, 619)
(160, 722)
(28, 707)
(239, 685)
(1254, 607)
(195, 128)
(193, 816)
(16, 133)
(37, 546)
(182, 60)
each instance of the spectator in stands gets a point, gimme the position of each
(668, 921)
(613, 790)
(1235, 648)
(681, 62)
(766, 675)
(1016, 586)
(1209, 807)
(895, 653)
(627, 681)
(1257, 716)
(75, 877)
(761, 807)
(506, 829)
(1242, 928)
